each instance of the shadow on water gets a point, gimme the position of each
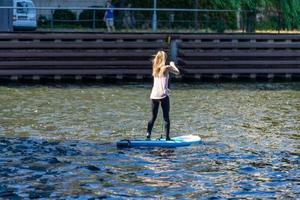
(34, 168)
(37, 168)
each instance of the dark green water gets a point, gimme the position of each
(58, 142)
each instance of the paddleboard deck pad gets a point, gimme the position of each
(180, 141)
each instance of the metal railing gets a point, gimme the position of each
(156, 20)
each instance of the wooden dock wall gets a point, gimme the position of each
(98, 55)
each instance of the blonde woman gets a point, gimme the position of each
(160, 91)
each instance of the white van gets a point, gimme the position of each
(24, 16)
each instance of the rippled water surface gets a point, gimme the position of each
(58, 142)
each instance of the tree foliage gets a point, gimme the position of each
(284, 13)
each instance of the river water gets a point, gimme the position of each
(58, 142)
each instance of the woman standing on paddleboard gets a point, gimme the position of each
(160, 91)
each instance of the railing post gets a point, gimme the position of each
(11, 11)
(279, 22)
(238, 18)
(154, 17)
(52, 23)
(94, 19)
(196, 15)
(243, 21)
(206, 21)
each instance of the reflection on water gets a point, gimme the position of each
(58, 142)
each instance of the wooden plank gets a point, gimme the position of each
(239, 36)
(26, 54)
(83, 36)
(144, 71)
(82, 45)
(240, 62)
(276, 54)
(239, 67)
(74, 54)
(243, 71)
(116, 67)
(114, 51)
(74, 63)
(75, 72)
(231, 45)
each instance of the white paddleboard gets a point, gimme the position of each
(180, 141)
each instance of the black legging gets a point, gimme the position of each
(165, 105)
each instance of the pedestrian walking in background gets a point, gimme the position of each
(109, 17)
(128, 19)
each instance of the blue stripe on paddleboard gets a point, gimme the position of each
(175, 142)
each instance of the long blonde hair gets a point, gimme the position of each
(158, 62)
